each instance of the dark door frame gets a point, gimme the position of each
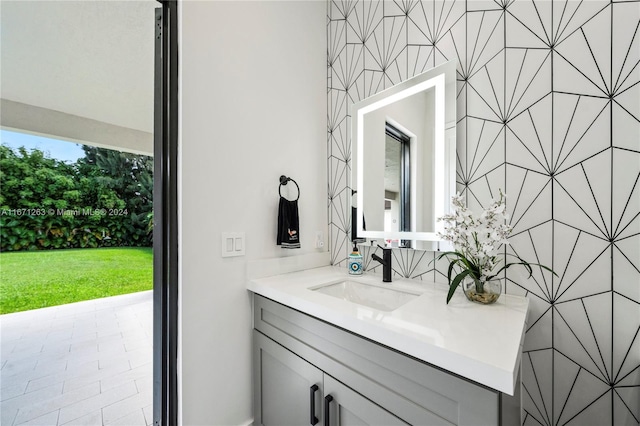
(165, 217)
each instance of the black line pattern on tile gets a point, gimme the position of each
(549, 113)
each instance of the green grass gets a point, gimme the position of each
(37, 279)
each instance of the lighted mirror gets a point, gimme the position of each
(404, 149)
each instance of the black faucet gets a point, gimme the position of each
(386, 263)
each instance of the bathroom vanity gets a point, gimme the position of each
(330, 349)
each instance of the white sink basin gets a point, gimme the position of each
(381, 297)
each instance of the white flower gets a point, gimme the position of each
(477, 237)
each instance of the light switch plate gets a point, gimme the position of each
(233, 244)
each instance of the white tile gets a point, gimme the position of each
(140, 357)
(145, 383)
(70, 373)
(89, 405)
(114, 347)
(88, 346)
(8, 415)
(59, 335)
(109, 360)
(17, 367)
(26, 402)
(111, 381)
(48, 367)
(93, 418)
(44, 420)
(126, 406)
(145, 343)
(133, 419)
(148, 414)
(11, 391)
(38, 360)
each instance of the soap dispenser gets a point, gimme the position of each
(355, 261)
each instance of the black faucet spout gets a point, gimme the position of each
(386, 264)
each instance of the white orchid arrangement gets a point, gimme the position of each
(477, 241)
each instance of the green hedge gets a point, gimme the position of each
(102, 200)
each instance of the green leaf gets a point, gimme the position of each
(456, 282)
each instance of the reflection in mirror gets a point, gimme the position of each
(397, 169)
(403, 145)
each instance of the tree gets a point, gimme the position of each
(126, 183)
(104, 199)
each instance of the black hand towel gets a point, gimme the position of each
(288, 224)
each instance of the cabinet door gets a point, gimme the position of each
(283, 386)
(348, 408)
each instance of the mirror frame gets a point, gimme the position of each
(443, 79)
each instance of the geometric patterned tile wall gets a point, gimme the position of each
(549, 112)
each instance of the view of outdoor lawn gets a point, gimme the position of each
(72, 231)
(37, 279)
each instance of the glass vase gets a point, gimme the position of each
(484, 292)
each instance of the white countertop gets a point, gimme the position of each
(480, 342)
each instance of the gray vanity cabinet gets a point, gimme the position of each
(285, 385)
(292, 390)
(367, 383)
(349, 408)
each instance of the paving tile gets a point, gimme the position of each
(34, 333)
(134, 334)
(109, 338)
(51, 347)
(113, 347)
(45, 405)
(32, 398)
(114, 380)
(27, 347)
(148, 413)
(131, 345)
(59, 335)
(108, 360)
(129, 405)
(145, 384)
(7, 416)
(89, 405)
(133, 419)
(61, 324)
(81, 334)
(88, 368)
(44, 382)
(41, 358)
(17, 366)
(48, 367)
(71, 361)
(87, 346)
(9, 340)
(92, 419)
(12, 388)
(140, 357)
(74, 338)
(11, 391)
(93, 376)
(48, 419)
(76, 359)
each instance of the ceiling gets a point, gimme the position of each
(93, 59)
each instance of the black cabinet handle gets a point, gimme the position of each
(312, 405)
(327, 402)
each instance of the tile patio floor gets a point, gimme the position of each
(85, 363)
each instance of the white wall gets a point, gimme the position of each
(253, 99)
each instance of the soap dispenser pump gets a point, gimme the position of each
(355, 261)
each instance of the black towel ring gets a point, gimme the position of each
(283, 181)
